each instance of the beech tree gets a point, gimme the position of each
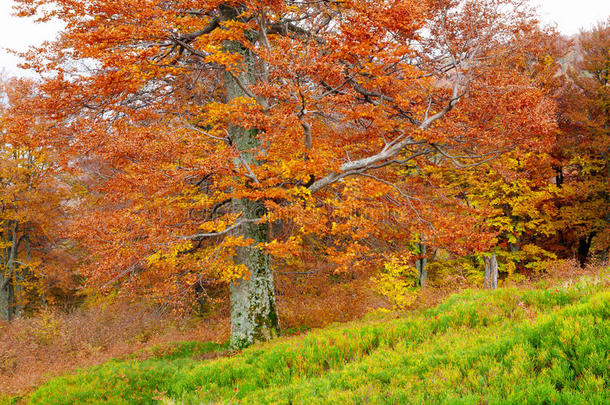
(222, 134)
(29, 201)
(582, 167)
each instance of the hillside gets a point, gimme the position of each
(507, 346)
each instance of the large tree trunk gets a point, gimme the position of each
(253, 309)
(491, 272)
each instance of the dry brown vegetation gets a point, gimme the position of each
(34, 350)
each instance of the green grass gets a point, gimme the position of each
(508, 346)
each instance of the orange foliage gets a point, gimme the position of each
(581, 150)
(31, 193)
(348, 101)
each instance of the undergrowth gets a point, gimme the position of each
(506, 346)
(36, 349)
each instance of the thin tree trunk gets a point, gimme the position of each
(420, 264)
(5, 277)
(5, 287)
(253, 306)
(7, 281)
(584, 245)
(491, 272)
(559, 176)
(20, 277)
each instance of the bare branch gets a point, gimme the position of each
(454, 161)
(251, 174)
(407, 197)
(212, 25)
(229, 229)
(201, 131)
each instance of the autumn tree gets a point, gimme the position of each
(582, 147)
(514, 196)
(29, 202)
(228, 135)
(516, 201)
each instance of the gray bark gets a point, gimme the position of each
(491, 272)
(253, 306)
(8, 275)
(5, 301)
(20, 277)
(420, 264)
(5, 278)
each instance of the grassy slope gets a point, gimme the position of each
(506, 346)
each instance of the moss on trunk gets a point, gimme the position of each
(253, 308)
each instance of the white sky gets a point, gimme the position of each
(18, 34)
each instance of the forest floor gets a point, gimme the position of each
(513, 345)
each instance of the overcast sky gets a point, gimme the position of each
(18, 33)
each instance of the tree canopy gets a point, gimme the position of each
(210, 141)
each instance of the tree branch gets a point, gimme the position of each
(229, 229)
